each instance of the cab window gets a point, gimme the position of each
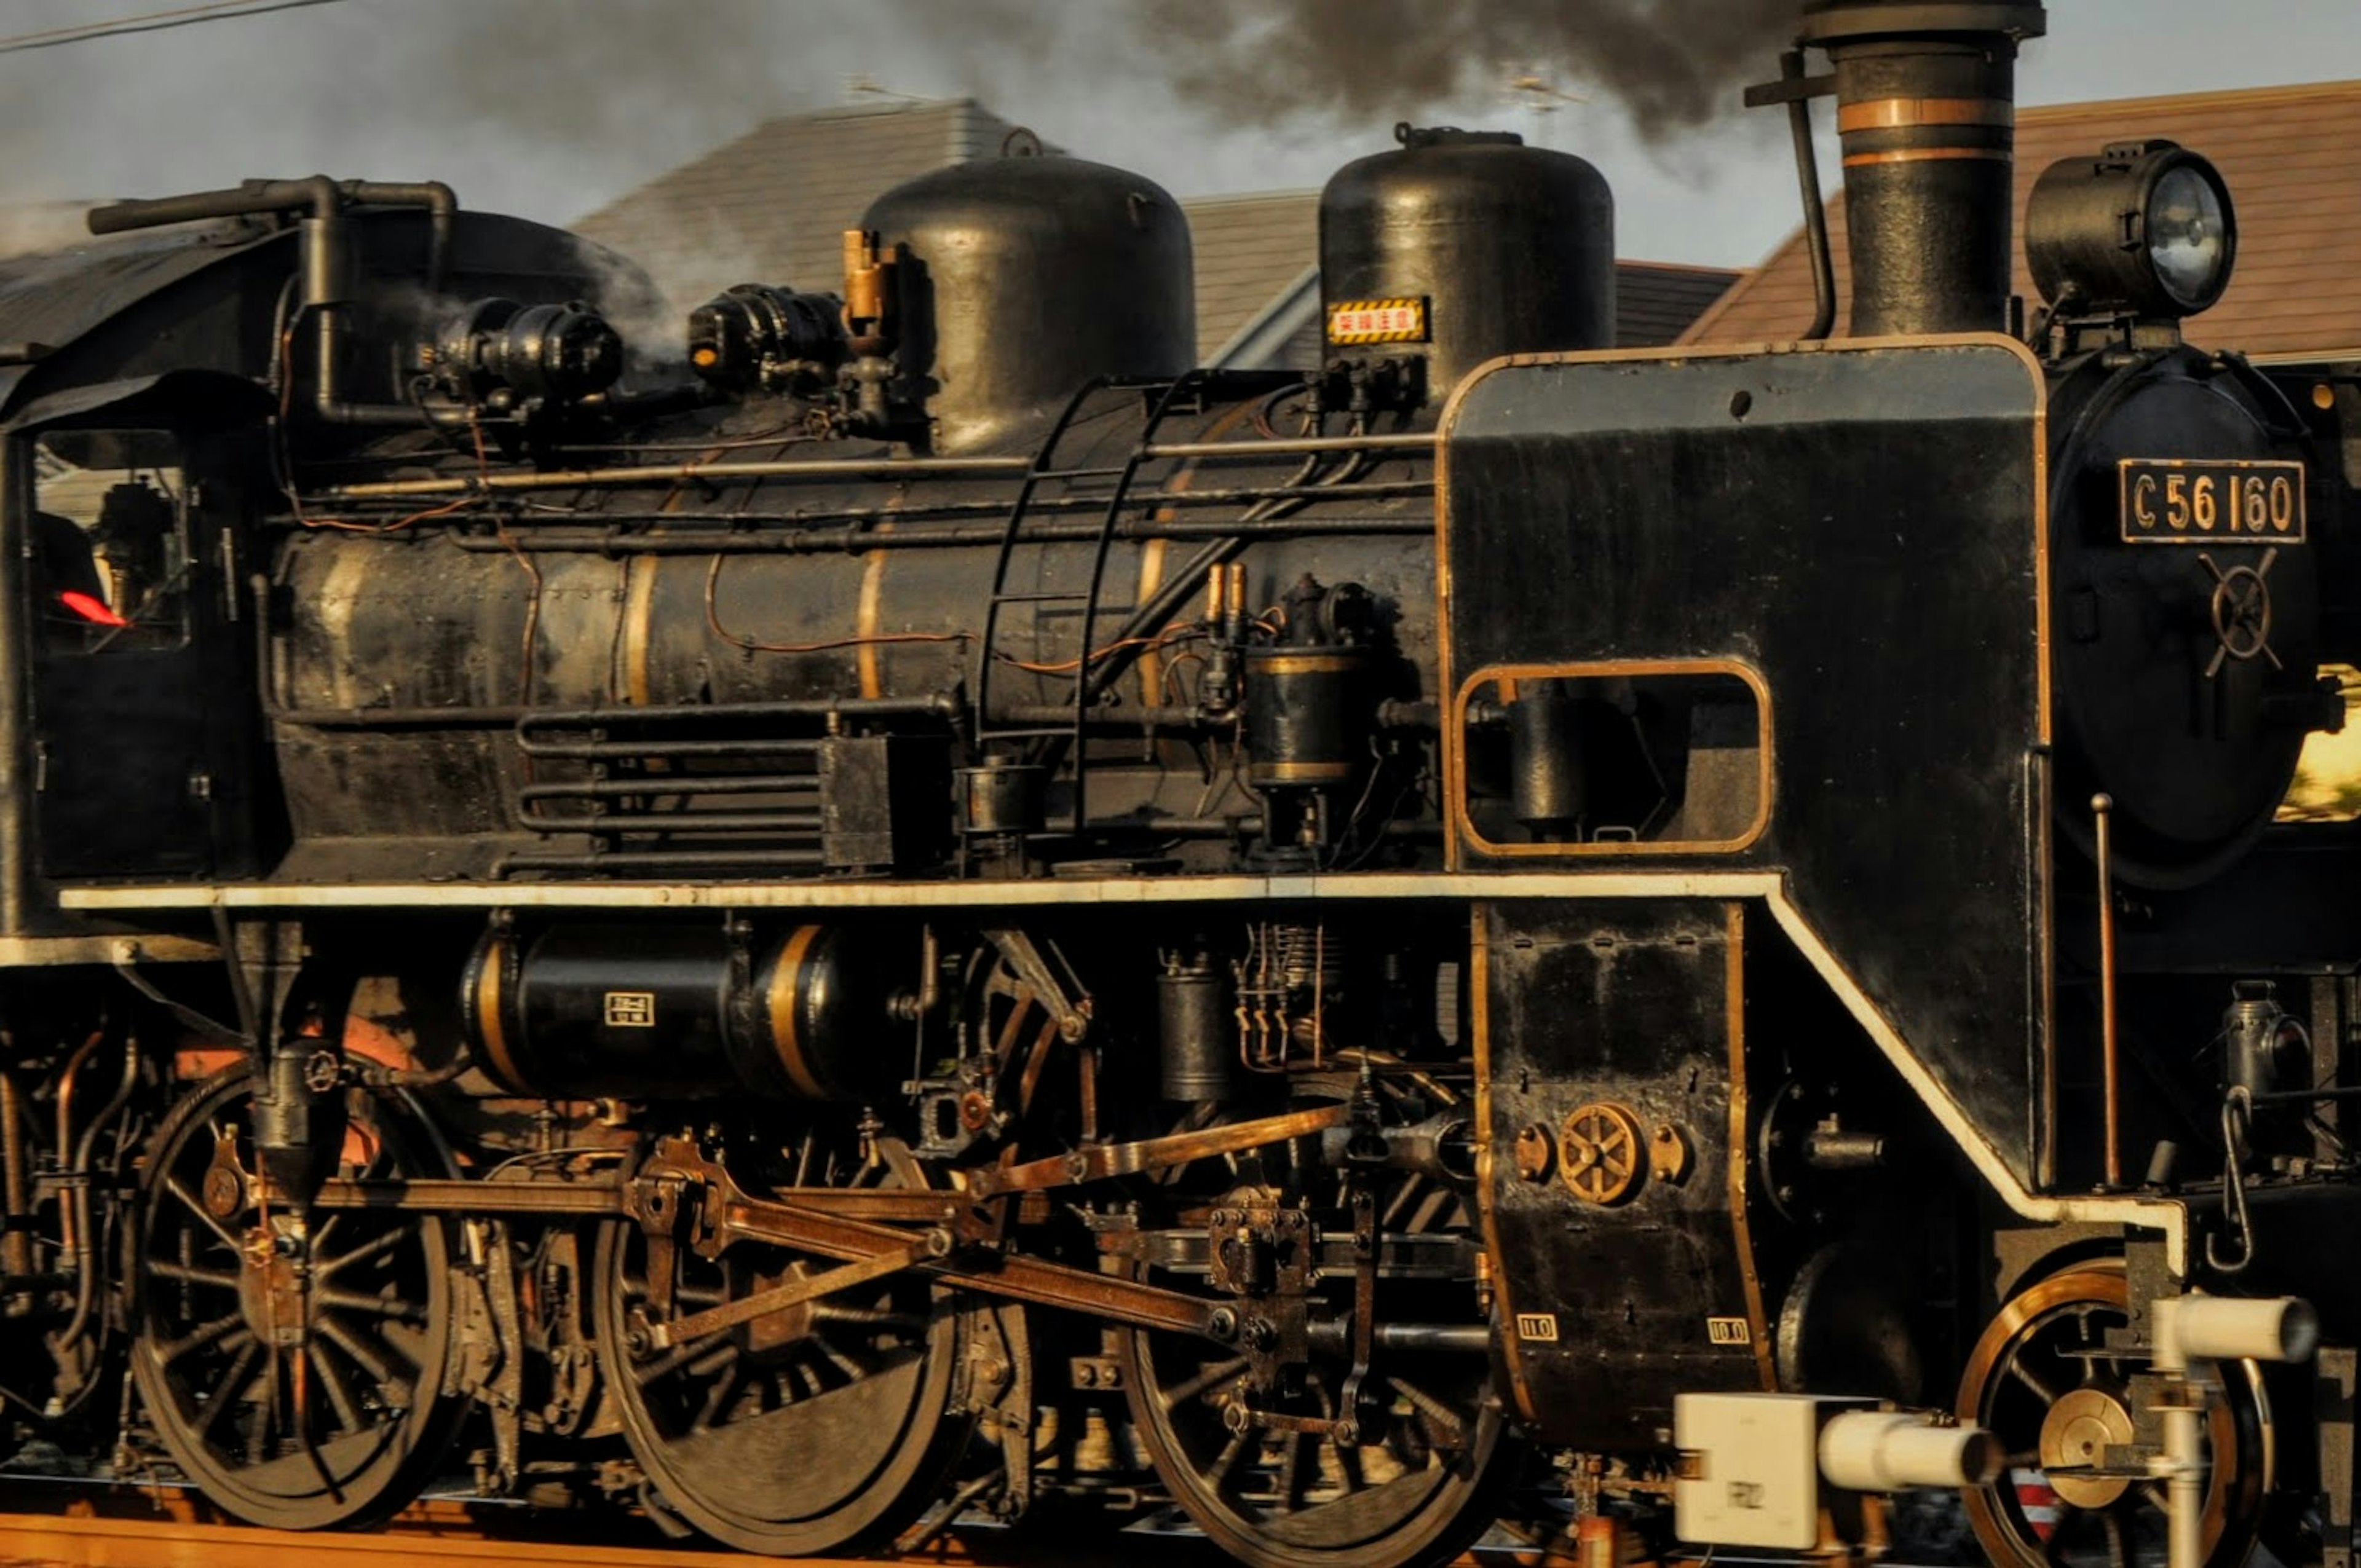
(110, 540)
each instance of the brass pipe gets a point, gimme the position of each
(1289, 447)
(882, 467)
(2102, 808)
(16, 1244)
(837, 469)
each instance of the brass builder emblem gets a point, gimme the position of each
(631, 1010)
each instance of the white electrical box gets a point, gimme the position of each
(1749, 1473)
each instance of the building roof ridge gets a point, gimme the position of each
(1698, 267)
(1239, 198)
(2166, 103)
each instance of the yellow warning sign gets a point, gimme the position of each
(1378, 321)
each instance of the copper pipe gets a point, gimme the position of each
(2102, 808)
(77, 1198)
(66, 1081)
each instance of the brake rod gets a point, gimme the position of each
(601, 1198)
(678, 1331)
(727, 1215)
(1096, 1162)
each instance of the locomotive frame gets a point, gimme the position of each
(920, 906)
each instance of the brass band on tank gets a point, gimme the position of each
(487, 992)
(782, 998)
(1911, 114)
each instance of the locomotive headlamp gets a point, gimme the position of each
(2145, 229)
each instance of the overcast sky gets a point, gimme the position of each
(551, 107)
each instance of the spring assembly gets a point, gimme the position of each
(1285, 983)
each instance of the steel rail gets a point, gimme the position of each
(127, 1526)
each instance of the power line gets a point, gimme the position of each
(153, 22)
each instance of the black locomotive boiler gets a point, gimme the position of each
(902, 903)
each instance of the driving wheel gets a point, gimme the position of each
(817, 1428)
(1301, 1474)
(294, 1368)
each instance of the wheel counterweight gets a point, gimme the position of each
(818, 1428)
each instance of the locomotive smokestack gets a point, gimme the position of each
(1927, 109)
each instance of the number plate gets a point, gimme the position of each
(2171, 501)
(1378, 321)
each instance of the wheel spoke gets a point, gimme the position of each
(723, 1354)
(2019, 1370)
(724, 1394)
(231, 1388)
(1433, 1408)
(179, 1190)
(1217, 1475)
(650, 1373)
(367, 1357)
(340, 1391)
(828, 1312)
(1348, 1464)
(1194, 1387)
(221, 1329)
(326, 1232)
(183, 1274)
(1290, 1456)
(257, 1436)
(390, 1307)
(2068, 1514)
(849, 1361)
(377, 1246)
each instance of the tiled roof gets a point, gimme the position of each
(774, 204)
(2289, 154)
(1249, 248)
(1656, 302)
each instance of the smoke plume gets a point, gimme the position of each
(1671, 62)
(553, 108)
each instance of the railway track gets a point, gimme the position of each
(93, 1526)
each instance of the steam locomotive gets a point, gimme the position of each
(910, 905)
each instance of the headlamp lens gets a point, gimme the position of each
(2188, 235)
